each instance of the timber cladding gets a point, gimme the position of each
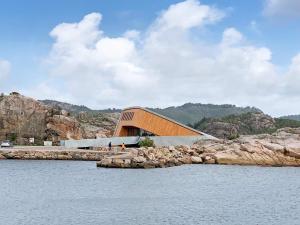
(134, 118)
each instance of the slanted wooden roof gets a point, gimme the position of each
(137, 117)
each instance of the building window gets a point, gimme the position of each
(127, 116)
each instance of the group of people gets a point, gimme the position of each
(110, 146)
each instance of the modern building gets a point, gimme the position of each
(137, 121)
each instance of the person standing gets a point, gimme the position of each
(109, 146)
(123, 147)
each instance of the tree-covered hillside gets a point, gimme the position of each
(188, 113)
(66, 106)
(76, 109)
(191, 113)
(292, 117)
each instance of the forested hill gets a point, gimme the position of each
(291, 117)
(76, 109)
(66, 106)
(188, 113)
(191, 113)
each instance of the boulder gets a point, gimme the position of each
(209, 160)
(139, 159)
(292, 153)
(2, 156)
(196, 160)
(185, 160)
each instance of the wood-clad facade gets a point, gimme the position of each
(135, 120)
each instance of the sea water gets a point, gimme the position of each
(76, 192)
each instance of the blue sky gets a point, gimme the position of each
(26, 44)
(25, 25)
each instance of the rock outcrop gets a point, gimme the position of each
(95, 123)
(280, 149)
(22, 118)
(65, 127)
(98, 125)
(232, 126)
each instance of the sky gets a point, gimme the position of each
(156, 53)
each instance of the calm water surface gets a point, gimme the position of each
(64, 193)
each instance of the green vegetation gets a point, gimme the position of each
(281, 123)
(233, 136)
(2, 96)
(192, 113)
(76, 109)
(291, 117)
(12, 137)
(147, 142)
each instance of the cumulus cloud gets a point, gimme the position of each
(167, 64)
(292, 78)
(188, 14)
(94, 65)
(4, 70)
(285, 8)
(231, 36)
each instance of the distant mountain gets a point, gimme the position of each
(75, 109)
(190, 113)
(66, 106)
(292, 117)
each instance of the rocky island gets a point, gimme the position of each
(281, 148)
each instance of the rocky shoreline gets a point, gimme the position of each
(53, 154)
(279, 149)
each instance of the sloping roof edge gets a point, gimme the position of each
(166, 118)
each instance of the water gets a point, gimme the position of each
(66, 192)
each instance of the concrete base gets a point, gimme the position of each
(159, 141)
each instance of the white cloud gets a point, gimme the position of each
(231, 36)
(188, 14)
(47, 90)
(167, 64)
(292, 78)
(285, 8)
(94, 65)
(5, 68)
(132, 35)
(78, 34)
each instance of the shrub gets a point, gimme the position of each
(12, 137)
(147, 142)
(233, 136)
(15, 93)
